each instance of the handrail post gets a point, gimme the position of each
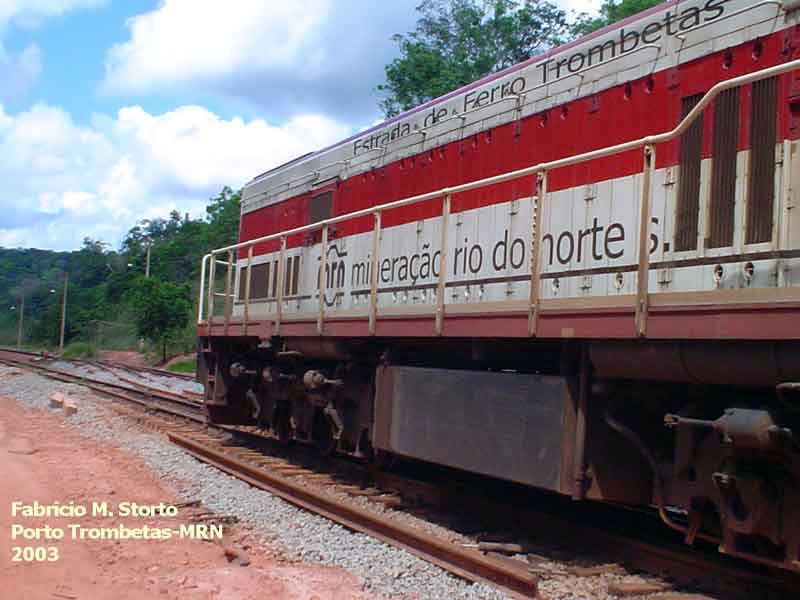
(201, 295)
(281, 278)
(536, 242)
(247, 284)
(643, 277)
(323, 278)
(228, 289)
(373, 274)
(212, 271)
(440, 287)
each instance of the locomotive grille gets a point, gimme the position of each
(292, 276)
(723, 182)
(761, 192)
(295, 275)
(258, 284)
(691, 146)
(274, 292)
(320, 208)
(264, 283)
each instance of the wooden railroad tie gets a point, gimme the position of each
(621, 588)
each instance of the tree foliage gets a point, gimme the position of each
(104, 285)
(458, 41)
(162, 309)
(611, 12)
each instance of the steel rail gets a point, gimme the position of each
(466, 563)
(160, 372)
(181, 397)
(109, 389)
(110, 364)
(131, 394)
(649, 140)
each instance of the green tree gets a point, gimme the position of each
(223, 213)
(179, 243)
(459, 41)
(161, 310)
(102, 282)
(611, 12)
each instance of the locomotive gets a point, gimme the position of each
(580, 274)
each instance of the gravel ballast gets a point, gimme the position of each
(285, 531)
(386, 571)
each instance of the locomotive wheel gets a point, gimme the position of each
(216, 414)
(255, 406)
(365, 446)
(383, 460)
(322, 434)
(282, 425)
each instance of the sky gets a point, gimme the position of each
(112, 112)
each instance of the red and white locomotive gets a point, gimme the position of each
(581, 274)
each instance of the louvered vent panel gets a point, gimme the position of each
(761, 192)
(691, 146)
(723, 181)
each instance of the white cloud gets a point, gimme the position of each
(285, 57)
(63, 181)
(581, 6)
(19, 72)
(29, 13)
(195, 148)
(183, 41)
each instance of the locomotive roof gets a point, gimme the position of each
(474, 84)
(288, 163)
(534, 85)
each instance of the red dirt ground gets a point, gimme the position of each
(43, 459)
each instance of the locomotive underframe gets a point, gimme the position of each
(726, 470)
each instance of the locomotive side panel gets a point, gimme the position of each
(589, 249)
(505, 425)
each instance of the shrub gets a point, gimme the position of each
(79, 350)
(184, 366)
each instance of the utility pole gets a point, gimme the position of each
(19, 327)
(147, 266)
(63, 313)
(147, 276)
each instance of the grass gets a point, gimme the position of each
(184, 366)
(79, 350)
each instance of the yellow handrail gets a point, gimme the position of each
(647, 141)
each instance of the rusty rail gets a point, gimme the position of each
(465, 563)
(148, 397)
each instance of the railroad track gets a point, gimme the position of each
(156, 399)
(114, 369)
(194, 437)
(11, 353)
(143, 369)
(512, 565)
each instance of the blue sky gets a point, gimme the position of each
(112, 112)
